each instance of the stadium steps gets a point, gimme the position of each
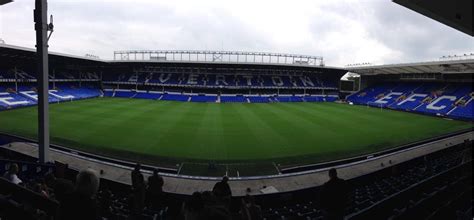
(352, 94)
(57, 96)
(456, 102)
(465, 104)
(421, 104)
(470, 100)
(27, 97)
(451, 110)
(189, 99)
(396, 101)
(421, 85)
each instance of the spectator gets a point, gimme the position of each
(60, 187)
(138, 190)
(41, 189)
(222, 188)
(82, 204)
(137, 177)
(11, 174)
(250, 210)
(222, 192)
(50, 180)
(155, 182)
(334, 195)
(155, 190)
(106, 203)
(214, 207)
(192, 209)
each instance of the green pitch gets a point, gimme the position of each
(289, 133)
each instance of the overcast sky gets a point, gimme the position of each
(342, 31)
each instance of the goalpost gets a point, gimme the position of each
(375, 104)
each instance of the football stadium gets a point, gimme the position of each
(216, 134)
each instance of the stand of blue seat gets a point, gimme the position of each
(124, 94)
(237, 98)
(225, 98)
(175, 97)
(143, 95)
(203, 98)
(452, 100)
(26, 96)
(259, 99)
(217, 80)
(289, 99)
(463, 111)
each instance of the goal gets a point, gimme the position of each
(375, 104)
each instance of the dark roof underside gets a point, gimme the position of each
(454, 13)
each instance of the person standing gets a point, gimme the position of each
(138, 190)
(155, 190)
(334, 195)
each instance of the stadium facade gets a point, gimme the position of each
(441, 88)
(437, 89)
(200, 81)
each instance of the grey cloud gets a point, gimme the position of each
(415, 36)
(339, 30)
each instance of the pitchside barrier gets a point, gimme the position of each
(236, 171)
(229, 169)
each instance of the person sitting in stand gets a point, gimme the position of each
(11, 174)
(82, 204)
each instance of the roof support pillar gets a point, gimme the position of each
(41, 27)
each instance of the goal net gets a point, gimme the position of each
(375, 104)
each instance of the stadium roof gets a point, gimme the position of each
(444, 67)
(461, 65)
(25, 53)
(454, 13)
(7, 50)
(218, 56)
(3, 2)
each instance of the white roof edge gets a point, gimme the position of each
(51, 53)
(460, 66)
(441, 62)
